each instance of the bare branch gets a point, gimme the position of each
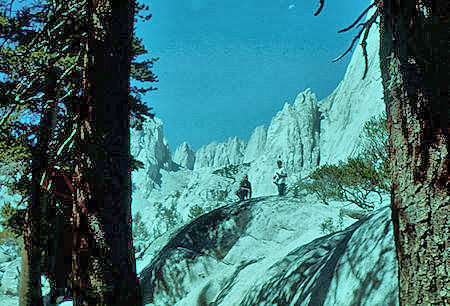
(358, 19)
(366, 29)
(322, 2)
(364, 41)
(351, 46)
(10, 8)
(69, 139)
(23, 200)
(363, 45)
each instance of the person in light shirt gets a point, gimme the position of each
(279, 178)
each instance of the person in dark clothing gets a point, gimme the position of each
(245, 189)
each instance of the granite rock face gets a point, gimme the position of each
(184, 156)
(241, 254)
(256, 144)
(352, 103)
(293, 134)
(267, 250)
(150, 147)
(216, 155)
(9, 284)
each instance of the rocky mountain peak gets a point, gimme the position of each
(256, 144)
(217, 154)
(293, 134)
(184, 156)
(149, 146)
(352, 103)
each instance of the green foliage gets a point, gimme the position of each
(231, 171)
(41, 42)
(298, 190)
(139, 229)
(221, 195)
(3, 21)
(359, 178)
(169, 215)
(195, 211)
(7, 211)
(13, 220)
(217, 195)
(376, 146)
(141, 236)
(329, 227)
(40, 36)
(140, 9)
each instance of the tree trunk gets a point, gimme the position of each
(414, 64)
(103, 265)
(30, 292)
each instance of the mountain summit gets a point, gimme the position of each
(304, 135)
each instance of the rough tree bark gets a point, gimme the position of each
(414, 63)
(30, 292)
(103, 265)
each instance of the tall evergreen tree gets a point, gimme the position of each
(46, 36)
(104, 268)
(30, 286)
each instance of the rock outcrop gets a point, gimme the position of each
(293, 134)
(243, 254)
(256, 144)
(352, 103)
(184, 156)
(292, 137)
(9, 283)
(216, 155)
(150, 147)
(304, 135)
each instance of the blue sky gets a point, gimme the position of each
(227, 66)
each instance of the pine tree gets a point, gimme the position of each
(30, 287)
(55, 41)
(104, 268)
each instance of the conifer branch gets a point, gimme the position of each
(358, 19)
(6, 116)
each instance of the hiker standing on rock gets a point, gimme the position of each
(279, 178)
(245, 189)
